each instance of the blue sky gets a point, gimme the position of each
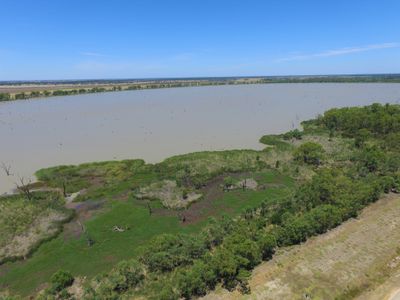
(70, 39)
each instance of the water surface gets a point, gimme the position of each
(155, 124)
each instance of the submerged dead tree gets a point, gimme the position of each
(6, 168)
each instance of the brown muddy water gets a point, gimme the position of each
(155, 124)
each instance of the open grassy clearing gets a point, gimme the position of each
(362, 254)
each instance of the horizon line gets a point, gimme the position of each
(202, 77)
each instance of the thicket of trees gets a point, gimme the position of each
(376, 120)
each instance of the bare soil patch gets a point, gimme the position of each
(170, 194)
(83, 211)
(204, 208)
(199, 210)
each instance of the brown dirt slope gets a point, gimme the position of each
(359, 259)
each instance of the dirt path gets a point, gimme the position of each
(395, 295)
(388, 290)
(360, 257)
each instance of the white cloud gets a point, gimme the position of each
(342, 51)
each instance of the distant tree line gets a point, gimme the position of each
(139, 85)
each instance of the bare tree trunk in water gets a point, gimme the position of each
(6, 168)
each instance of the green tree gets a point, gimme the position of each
(309, 153)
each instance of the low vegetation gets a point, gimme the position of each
(306, 184)
(26, 223)
(120, 223)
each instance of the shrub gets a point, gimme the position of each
(61, 280)
(293, 134)
(309, 153)
(266, 243)
(168, 251)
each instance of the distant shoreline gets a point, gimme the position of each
(22, 90)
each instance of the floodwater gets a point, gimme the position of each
(155, 124)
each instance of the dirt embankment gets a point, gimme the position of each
(360, 258)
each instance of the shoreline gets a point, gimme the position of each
(25, 91)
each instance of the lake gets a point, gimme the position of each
(155, 124)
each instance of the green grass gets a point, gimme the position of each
(116, 180)
(19, 215)
(111, 247)
(237, 200)
(77, 257)
(275, 141)
(106, 174)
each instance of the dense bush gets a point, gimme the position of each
(126, 275)
(60, 281)
(377, 119)
(293, 134)
(309, 153)
(167, 251)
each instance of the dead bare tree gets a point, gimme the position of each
(89, 240)
(6, 169)
(24, 188)
(181, 217)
